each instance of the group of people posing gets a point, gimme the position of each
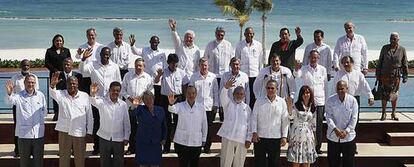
(177, 97)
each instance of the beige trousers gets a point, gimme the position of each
(232, 153)
(66, 143)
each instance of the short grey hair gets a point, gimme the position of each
(395, 34)
(191, 32)
(91, 29)
(148, 94)
(220, 29)
(238, 89)
(117, 29)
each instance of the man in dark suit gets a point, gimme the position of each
(67, 72)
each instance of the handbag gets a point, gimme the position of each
(377, 91)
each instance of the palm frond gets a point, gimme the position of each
(264, 6)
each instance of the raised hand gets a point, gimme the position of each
(173, 24)
(9, 87)
(55, 79)
(80, 51)
(230, 83)
(160, 72)
(298, 65)
(136, 101)
(94, 89)
(132, 39)
(171, 98)
(298, 31)
(87, 53)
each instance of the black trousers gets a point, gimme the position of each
(252, 96)
(169, 118)
(123, 72)
(16, 143)
(133, 121)
(85, 85)
(96, 123)
(187, 156)
(359, 107)
(267, 153)
(348, 152)
(210, 118)
(320, 111)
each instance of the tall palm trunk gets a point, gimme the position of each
(241, 32)
(264, 35)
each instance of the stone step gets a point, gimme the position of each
(400, 139)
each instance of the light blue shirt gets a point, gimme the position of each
(341, 115)
(31, 111)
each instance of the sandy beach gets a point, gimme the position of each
(32, 54)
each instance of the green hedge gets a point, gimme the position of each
(37, 63)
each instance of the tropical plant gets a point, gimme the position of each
(240, 9)
(264, 6)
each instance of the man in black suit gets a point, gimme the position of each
(67, 72)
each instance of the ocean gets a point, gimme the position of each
(27, 24)
(31, 24)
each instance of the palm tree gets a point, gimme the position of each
(264, 6)
(240, 9)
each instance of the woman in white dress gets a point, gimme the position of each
(301, 150)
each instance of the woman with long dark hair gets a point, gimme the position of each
(301, 150)
(54, 62)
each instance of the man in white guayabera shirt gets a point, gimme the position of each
(134, 84)
(353, 45)
(115, 130)
(341, 118)
(102, 72)
(270, 124)
(314, 75)
(250, 53)
(74, 122)
(120, 51)
(324, 50)
(31, 111)
(18, 83)
(235, 132)
(186, 50)
(207, 89)
(96, 50)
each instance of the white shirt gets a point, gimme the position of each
(341, 115)
(172, 82)
(75, 113)
(192, 124)
(207, 89)
(325, 55)
(18, 82)
(316, 79)
(103, 75)
(134, 85)
(357, 49)
(30, 114)
(357, 84)
(241, 79)
(154, 59)
(219, 55)
(251, 57)
(284, 78)
(188, 56)
(96, 51)
(120, 54)
(114, 118)
(237, 118)
(270, 118)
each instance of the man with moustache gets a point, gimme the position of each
(352, 45)
(74, 122)
(186, 50)
(120, 51)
